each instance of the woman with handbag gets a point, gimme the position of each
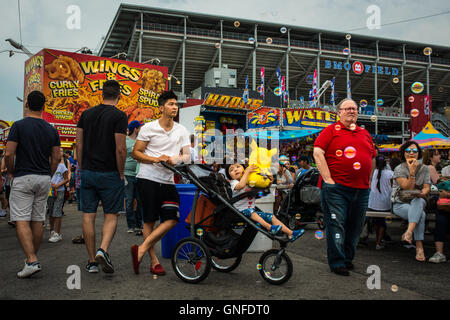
(411, 186)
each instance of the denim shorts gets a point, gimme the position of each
(101, 186)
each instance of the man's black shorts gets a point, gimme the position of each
(159, 201)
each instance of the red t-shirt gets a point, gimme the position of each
(348, 154)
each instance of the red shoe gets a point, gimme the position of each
(134, 258)
(158, 270)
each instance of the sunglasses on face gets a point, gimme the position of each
(411, 150)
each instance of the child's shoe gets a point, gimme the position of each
(296, 234)
(275, 229)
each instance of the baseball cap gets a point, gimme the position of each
(134, 125)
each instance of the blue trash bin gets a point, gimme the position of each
(168, 242)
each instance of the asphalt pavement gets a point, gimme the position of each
(402, 278)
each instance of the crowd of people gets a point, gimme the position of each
(119, 165)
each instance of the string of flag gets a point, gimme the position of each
(284, 91)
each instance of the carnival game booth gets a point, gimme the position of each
(223, 108)
(216, 111)
(296, 128)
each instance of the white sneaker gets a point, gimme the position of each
(3, 213)
(379, 247)
(437, 258)
(28, 270)
(55, 238)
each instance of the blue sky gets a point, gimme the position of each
(43, 25)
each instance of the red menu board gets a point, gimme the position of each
(73, 82)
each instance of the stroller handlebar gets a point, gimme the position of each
(177, 169)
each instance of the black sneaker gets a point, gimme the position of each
(92, 267)
(103, 259)
(342, 271)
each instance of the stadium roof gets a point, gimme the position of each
(163, 32)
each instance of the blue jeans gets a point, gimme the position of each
(413, 212)
(134, 218)
(442, 226)
(344, 212)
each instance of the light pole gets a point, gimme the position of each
(19, 46)
(86, 50)
(120, 54)
(170, 80)
(154, 61)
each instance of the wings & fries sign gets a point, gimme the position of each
(73, 82)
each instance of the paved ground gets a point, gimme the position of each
(311, 279)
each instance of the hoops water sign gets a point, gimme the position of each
(359, 68)
(310, 118)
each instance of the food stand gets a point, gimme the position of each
(73, 82)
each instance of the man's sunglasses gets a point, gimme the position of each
(411, 150)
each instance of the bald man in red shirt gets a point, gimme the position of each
(345, 156)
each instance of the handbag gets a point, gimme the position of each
(408, 195)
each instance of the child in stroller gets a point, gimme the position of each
(238, 176)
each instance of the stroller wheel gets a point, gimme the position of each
(275, 269)
(320, 223)
(191, 260)
(225, 265)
